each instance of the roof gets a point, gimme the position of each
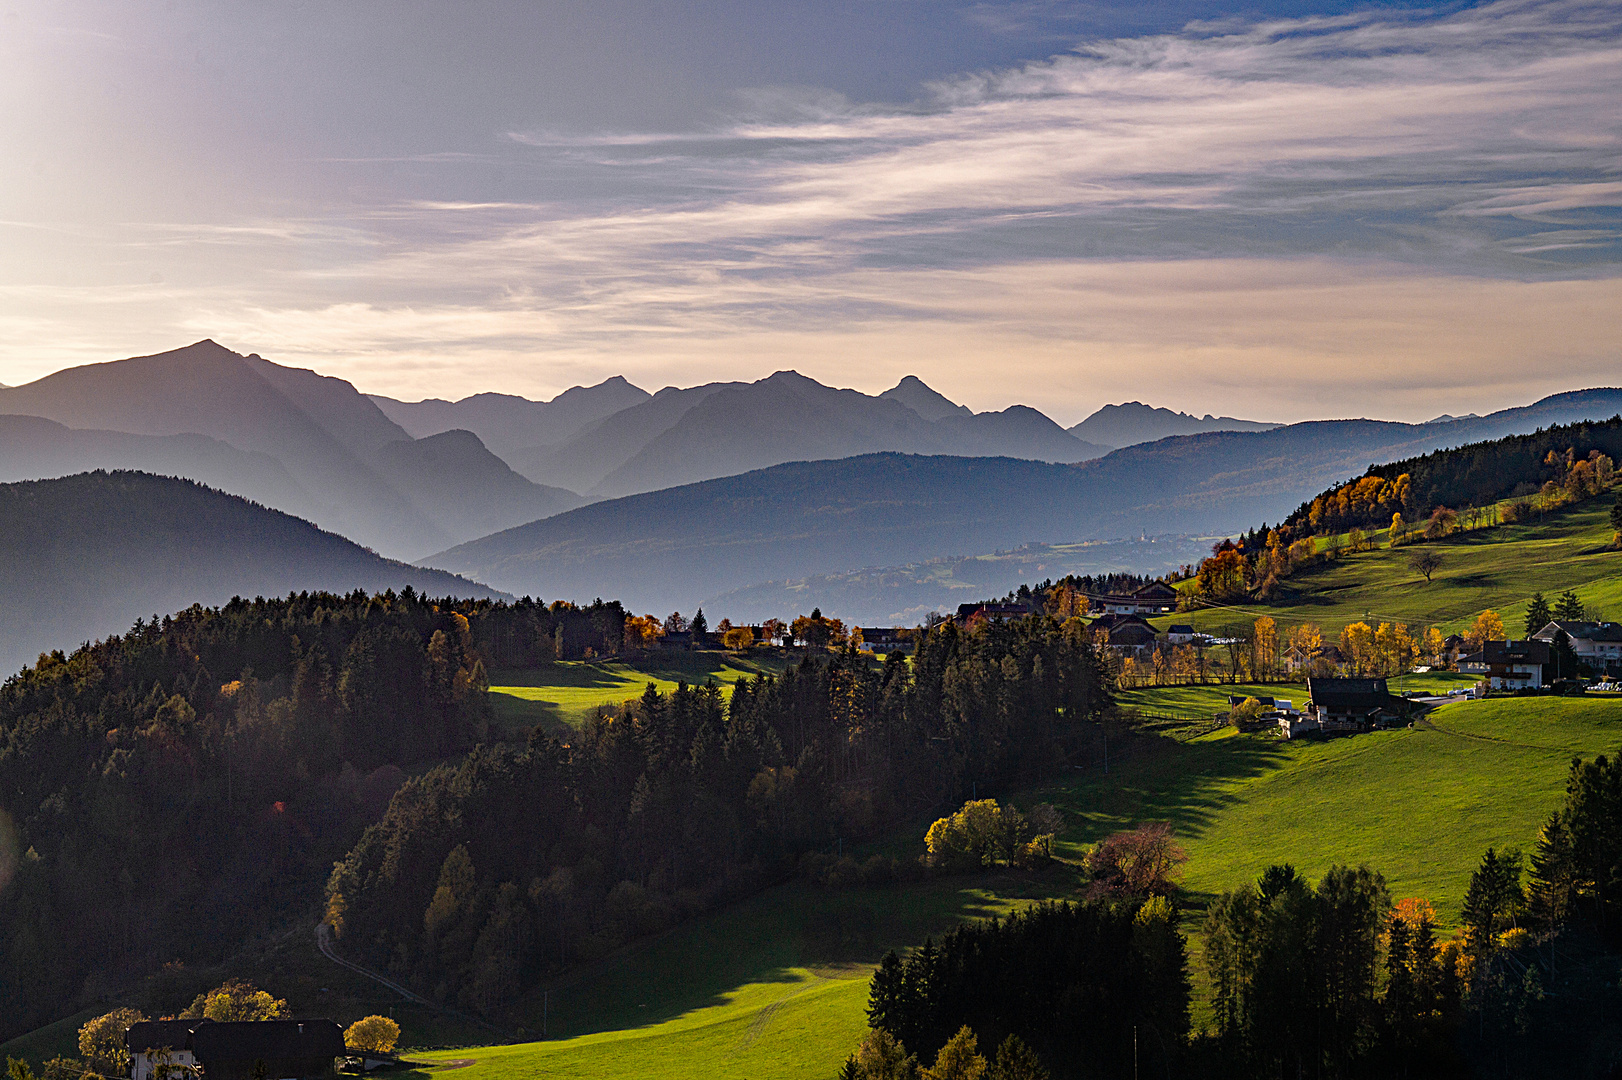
(1512, 652)
(993, 611)
(1349, 695)
(1134, 632)
(252, 1040)
(1586, 631)
(1179, 628)
(1156, 590)
(159, 1034)
(1115, 619)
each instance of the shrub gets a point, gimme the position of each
(1139, 862)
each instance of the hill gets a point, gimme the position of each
(334, 443)
(776, 987)
(83, 557)
(1131, 423)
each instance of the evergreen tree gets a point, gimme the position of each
(1016, 1061)
(1569, 608)
(1538, 614)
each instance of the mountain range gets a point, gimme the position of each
(1133, 422)
(684, 435)
(84, 556)
(304, 443)
(683, 546)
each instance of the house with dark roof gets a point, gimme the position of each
(1510, 665)
(1131, 632)
(998, 610)
(886, 639)
(1155, 598)
(237, 1050)
(1344, 705)
(1180, 634)
(157, 1046)
(1597, 644)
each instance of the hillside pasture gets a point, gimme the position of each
(776, 987)
(1498, 568)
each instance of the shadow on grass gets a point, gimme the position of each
(792, 933)
(1185, 783)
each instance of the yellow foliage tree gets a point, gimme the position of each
(1434, 645)
(1357, 646)
(959, 1059)
(1264, 645)
(375, 1033)
(236, 1000)
(1488, 627)
(101, 1041)
(739, 639)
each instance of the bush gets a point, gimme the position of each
(1140, 862)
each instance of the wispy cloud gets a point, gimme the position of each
(1478, 153)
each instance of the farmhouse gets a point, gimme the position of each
(966, 612)
(155, 1043)
(1337, 705)
(1126, 631)
(1509, 665)
(237, 1050)
(1180, 634)
(886, 639)
(1597, 644)
(1155, 598)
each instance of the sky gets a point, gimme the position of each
(1281, 211)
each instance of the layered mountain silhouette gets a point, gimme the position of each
(313, 445)
(1134, 422)
(507, 424)
(683, 435)
(682, 546)
(84, 556)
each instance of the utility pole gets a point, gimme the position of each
(1134, 1052)
(546, 1010)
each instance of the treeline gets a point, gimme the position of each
(513, 862)
(185, 784)
(1475, 475)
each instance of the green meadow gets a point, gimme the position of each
(1498, 568)
(563, 694)
(776, 986)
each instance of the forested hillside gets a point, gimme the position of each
(488, 873)
(85, 556)
(167, 792)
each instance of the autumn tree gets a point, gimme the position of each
(101, 1041)
(1357, 646)
(378, 1034)
(1144, 861)
(643, 631)
(959, 1059)
(1264, 647)
(236, 1000)
(772, 630)
(1222, 575)
(1488, 627)
(1435, 645)
(738, 639)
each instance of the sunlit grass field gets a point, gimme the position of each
(564, 694)
(776, 986)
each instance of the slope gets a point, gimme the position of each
(776, 987)
(85, 556)
(33, 448)
(465, 489)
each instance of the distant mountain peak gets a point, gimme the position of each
(1133, 422)
(924, 400)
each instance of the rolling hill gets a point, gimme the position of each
(85, 556)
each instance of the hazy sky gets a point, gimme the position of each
(1280, 210)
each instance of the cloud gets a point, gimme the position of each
(1258, 209)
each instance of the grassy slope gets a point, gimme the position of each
(566, 693)
(1496, 568)
(776, 986)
